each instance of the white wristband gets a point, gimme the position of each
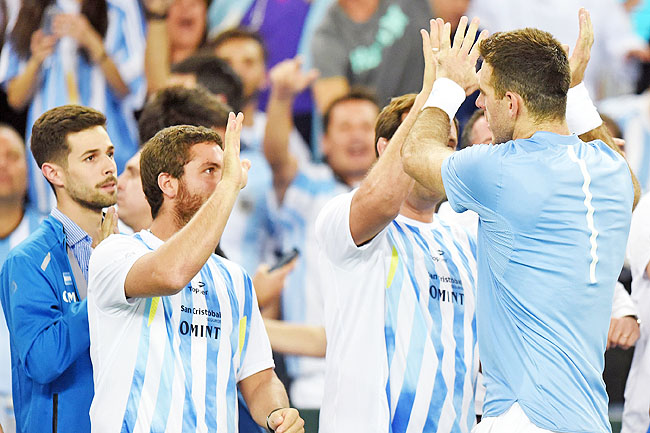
(447, 95)
(581, 113)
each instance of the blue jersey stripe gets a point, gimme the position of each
(164, 397)
(248, 312)
(189, 410)
(211, 377)
(133, 403)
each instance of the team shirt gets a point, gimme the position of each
(302, 302)
(401, 330)
(170, 363)
(31, 219)
(554, 214)
(632, 115)
(66, 77)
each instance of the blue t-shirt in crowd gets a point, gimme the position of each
(554, 215)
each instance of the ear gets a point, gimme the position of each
(381, 145)
(54, 174)
(515, 104)
(168, 185)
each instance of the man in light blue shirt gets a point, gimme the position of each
(554, 214)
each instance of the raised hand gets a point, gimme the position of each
(457, 61)
(234, 170)
(41, 45)
(159, 7)
(582, 52)
(107, 227)
(288, 79)
(79, 28)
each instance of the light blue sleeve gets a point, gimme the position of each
(472, 178)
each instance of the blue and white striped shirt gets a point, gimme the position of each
(125, 44)
(170, 363)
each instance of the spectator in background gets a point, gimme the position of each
(176, 29)
(301, 190)
(17, 221)
(287, 27)
(43, 280)
(637, 392)
(612, 69)
(87, 53)
(213, 74)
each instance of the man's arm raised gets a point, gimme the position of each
(582, 116)
(168, 269)
(426, 145)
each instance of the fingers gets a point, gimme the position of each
(445, 35)
(475, 52)
(460, 33)
(286, 421)
(469, 39)
(434, 35)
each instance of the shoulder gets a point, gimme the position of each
(118, 243)
(47, 236)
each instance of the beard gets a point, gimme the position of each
(187, 205)
(93, 198)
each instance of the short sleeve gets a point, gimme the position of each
(334, 237)
(329, 54)
(256, 350)
(472, 178)
(109, 265)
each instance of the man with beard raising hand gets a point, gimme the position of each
(43, 281)
(175, 329)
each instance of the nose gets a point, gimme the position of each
(110, 168)
(479, 101)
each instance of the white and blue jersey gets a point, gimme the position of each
(401, 329)
(170, 363)
(554, 215)
(313, 186)
(66, 77)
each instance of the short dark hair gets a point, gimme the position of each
(215, 75)
(180, 105)
(466, 137)
(356, 93)
(50, 131)
(236, 33)
(531, 63)
(168, 152)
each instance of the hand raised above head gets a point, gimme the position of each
(234, 170)
(582, 52)
(288, 79)
(457, 61)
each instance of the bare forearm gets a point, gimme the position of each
(381, 194)
(156, 58)
(113, 77)
(295, 339)
(263, 393)
(602, 133)
(168, 269)
(326, 90)
(21, 89)
(426, 148)
(276, 141)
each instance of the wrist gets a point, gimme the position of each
(581, 113)
(268, 426)
(447, 95)
(155, 16)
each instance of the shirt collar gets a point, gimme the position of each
(73, 233)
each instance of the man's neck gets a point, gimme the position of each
(89, 220)
(527, 130)
(164, 226)
(418, 209)
(359, 11)
(11, 214)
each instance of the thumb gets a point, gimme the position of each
(276, 419)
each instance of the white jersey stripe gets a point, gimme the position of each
(590, 212)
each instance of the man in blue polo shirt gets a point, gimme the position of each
(43, 280)
(554, 216)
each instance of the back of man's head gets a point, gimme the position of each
(531, 63)
(168, 152)
(181, 106)
(215, 75)
(50, 131)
